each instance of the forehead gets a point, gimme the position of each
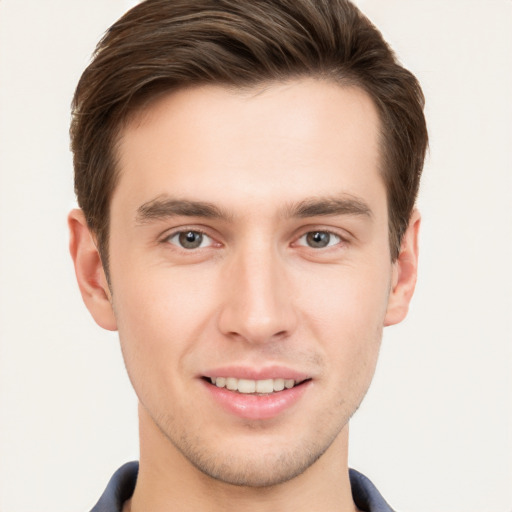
(274, 142)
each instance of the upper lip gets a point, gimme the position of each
(251, 373)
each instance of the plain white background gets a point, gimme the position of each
(435, 432)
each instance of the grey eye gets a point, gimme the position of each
(190, 239)
(319, 239)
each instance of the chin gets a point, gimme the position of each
(262, 473)
(255, 468)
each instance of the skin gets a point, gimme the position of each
(255, 293)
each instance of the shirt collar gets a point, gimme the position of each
(122, 484)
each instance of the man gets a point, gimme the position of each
(246, 174)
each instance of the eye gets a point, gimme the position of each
(190, 239)
(319, 239)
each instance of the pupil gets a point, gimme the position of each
(318, 239)
(191, 239)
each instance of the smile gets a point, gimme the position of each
(248, 386)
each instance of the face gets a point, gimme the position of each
(250, 272)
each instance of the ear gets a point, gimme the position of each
(405, 271)
(89, 271)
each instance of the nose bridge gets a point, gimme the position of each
(258, 304)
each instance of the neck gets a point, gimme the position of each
(167, 479)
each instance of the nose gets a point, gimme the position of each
(258, 305)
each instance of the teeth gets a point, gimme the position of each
(278, 384)
(265, 386)
(232, 383)
(247, 386)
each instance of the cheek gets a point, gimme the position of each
(349, 297)
(164, 313)
(160, 317)
(346, 312)
(160, 297)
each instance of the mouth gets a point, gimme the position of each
(254, 387)
(268, 394)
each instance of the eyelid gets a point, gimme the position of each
(343, 235)
(167, 235)
(328, 246)
(206, 241)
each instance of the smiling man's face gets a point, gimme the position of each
(249, 252)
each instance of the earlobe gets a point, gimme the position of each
(405, 272)
(89, 271)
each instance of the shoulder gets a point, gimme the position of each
(119, 489)
(366, 495)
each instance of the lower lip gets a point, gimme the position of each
(257, 407)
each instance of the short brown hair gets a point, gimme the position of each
(161, 45)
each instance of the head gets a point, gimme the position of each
(247, 173)
(160, 46)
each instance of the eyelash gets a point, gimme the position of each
(185, 231)
(179, 243)
(338, 238)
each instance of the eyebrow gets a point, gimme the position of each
(329, 206)
(162, 208)
(166, 207)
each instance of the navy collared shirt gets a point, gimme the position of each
(122, 484)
